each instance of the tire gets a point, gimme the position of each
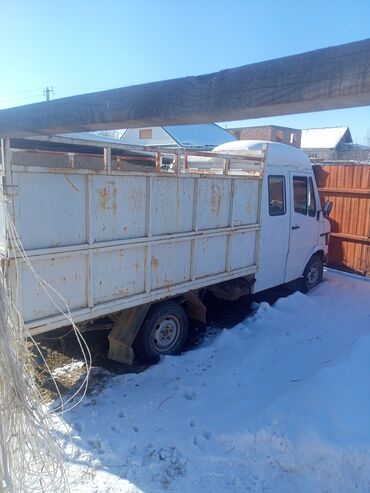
(164, 331)
(312, 275)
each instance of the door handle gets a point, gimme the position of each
(295, 227)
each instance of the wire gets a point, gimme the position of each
(31, 458)
(27, 91)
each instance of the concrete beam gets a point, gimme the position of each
(329, 78)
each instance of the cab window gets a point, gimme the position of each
(276, 189)
(300, 194)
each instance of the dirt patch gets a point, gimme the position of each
(64, 358)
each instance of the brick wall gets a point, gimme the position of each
(271, 133)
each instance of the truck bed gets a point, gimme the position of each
(109, 227)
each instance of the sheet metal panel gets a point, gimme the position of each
(172, 199)
(210, 256)
(214, 195)
(118, 273)
(50, 209)
(111, 240)
(242, 249)
(66, 274)
(170, 264)
(245, 204)
(119, 207)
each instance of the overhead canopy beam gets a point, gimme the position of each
(329, 78)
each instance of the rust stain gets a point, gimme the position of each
(137, 199)
(213, 198)
(114, 197)
(103, 198)
(178, 191)
(108, 197)
(218, 204)
(216, 199)
(155, 262)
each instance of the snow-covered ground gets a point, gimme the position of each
(279, 403)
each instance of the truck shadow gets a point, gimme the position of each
(223, 314)
(62, 353)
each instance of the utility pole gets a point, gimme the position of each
(47, 91)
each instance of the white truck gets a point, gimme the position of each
(134, 234)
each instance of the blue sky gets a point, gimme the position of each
(88, 45)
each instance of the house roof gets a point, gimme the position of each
(199, 135)
(207, 135)
(324, 138)
(278, 127)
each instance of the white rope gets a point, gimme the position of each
(30, 457)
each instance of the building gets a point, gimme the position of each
(323, 144)
(200, 136)
(271, 133)
(333, 144)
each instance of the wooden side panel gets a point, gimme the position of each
(348, 187)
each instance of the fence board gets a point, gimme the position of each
(348, 187)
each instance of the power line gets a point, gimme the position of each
(38, 90)
(17, 99)
(34, 94)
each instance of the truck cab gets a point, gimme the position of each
(294, 230)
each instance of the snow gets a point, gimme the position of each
(199, 135)
(204, 135)
(323, 138)
(279, 403)
(91, 137)
(277, 154)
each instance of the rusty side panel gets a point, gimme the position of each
(110, 239)
(348, 187)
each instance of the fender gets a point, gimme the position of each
(313, 251)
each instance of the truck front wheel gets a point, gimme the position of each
(312, 274)
(164, 331)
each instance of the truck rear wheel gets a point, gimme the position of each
(164, 331)
(312, 275)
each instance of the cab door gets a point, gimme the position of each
(304, 226)
(274, 243)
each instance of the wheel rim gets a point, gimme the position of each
(166, 333)
(312, 276)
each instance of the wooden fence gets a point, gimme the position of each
(348, 187)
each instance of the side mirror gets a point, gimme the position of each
(327, 208)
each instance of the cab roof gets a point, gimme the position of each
(277, 154)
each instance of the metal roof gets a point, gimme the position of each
(199, 135)
(325, 138)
